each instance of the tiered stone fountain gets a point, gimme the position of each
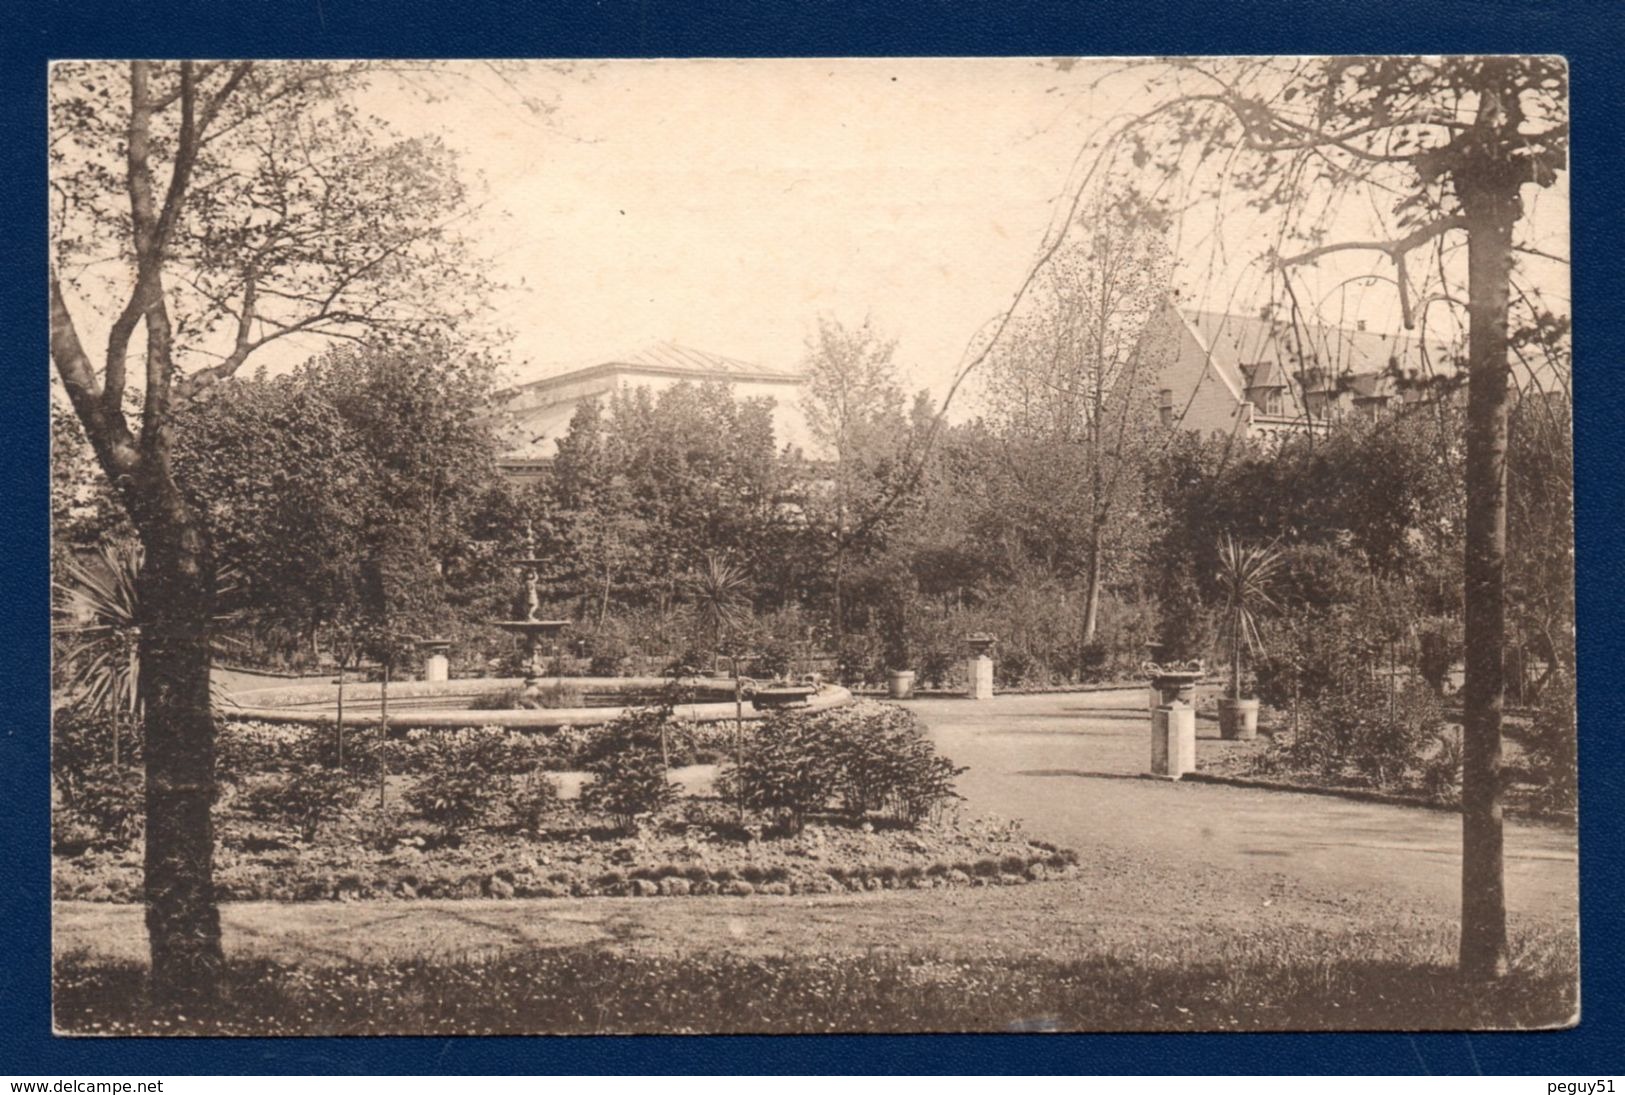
(532, 630)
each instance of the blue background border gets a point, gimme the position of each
(1588, 32)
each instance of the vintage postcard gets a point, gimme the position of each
(808, 545)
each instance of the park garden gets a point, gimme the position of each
(1360, 588)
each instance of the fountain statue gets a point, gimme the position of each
(532, 629)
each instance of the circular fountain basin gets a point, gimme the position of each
(449, 704)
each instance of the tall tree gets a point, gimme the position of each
(1069, 388)
(854, 410)
(201, 212)
(1445, 150)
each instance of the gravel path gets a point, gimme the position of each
(1190, 869)
(1068, 767)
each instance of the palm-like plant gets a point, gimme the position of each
(721, 594)
(1244, 575)
(97, 610)
(96, 607)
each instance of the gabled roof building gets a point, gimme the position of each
(1254, 377)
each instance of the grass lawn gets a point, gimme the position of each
(1128, 946)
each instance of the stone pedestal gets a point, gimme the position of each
(1173, 739)
(436, 666)
(979, 672)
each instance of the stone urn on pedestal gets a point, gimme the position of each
(1173, 721)
(979, 665)
(436, 666)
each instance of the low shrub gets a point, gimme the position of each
(1016, 666)
(872, 756)
(1441, 769)
(533, 799)
(465, 781)
(883, 762)
(1553, 749)
(786, 771)
(858, 660)
(109, 801)
(82, 739)
(627, 760)
(308, 799)
(1379, 734)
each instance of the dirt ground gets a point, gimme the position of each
(1166, 866)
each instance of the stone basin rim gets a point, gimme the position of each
(271, 704)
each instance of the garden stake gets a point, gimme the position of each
(338, 722)
(383, 734)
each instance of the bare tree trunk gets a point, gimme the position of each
(839, 606)
(177, 598)
(1491, 206)
(1091, 602)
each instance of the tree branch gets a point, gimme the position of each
(106, 427)
(1394, 249)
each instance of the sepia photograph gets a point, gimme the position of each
(806, 546)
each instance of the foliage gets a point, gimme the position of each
(854, 411)
(1243, 580)
(785, 771)
(872, 756)
(1070, 395)
(97, 608)
(1378, 733)
(627, 760)
(1441, 769)
(110, 800)
(281, 480)
(720, 593)
(884, 762)
(1552, 746)
(463, 781)
(532, 799)
(1540, 534)
(82, 740)
(310, 797)
(646, 486)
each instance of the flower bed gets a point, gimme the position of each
(700, 852)
(803, 802)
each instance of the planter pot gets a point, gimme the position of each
(900, 684)
(1238, 719)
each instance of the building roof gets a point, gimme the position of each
(1234, 343)
(667, 358)
(536, 412)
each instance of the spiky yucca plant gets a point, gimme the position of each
(97, 611)
(1244, 575)
(721, 594)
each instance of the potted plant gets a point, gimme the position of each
(898, 645)
(899, 653)
(1243, 577)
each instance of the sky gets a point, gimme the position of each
(726, 204)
